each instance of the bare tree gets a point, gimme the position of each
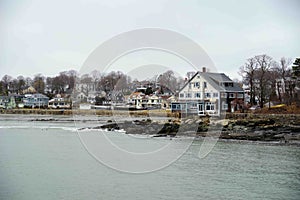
(72, 74)
(96, 75)
(86, 84)
(39, 83)
(13, 86)
(283, 71)
(28, 82)
(6, 81)
(21, 84)
(271, 77)
(248, 73)
(284, 64)
(168, 80)
(264, 64)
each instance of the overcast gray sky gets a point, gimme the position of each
(52, 36)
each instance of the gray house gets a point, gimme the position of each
(36, 101)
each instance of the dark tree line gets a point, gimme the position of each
(66, 81)
(9, 84)
(60, 84)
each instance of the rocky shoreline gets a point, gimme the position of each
(281, 128)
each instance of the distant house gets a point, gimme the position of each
(29, 90)
(116, 97)
(7, 102)
(60, 102)
(151, 102)
(36, 100)
(80, 97)
(136, 99)
(87, 88)
(209, 93)
(142, 101)
(164, 91)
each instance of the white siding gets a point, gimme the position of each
(196, 90)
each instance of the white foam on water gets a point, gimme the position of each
(72, 129)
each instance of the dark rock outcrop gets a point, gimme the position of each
(267, 128)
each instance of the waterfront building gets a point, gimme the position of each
(36, 100)
(209, 93)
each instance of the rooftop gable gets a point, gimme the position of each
(216, 80)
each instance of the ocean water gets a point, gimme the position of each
(42, 157)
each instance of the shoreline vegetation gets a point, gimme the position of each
(281, 128)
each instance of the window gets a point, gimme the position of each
(193, 106)
(207, 95)
(204, 84)
(188, 95)
(198, 95)
(224, 106)
(231, 95)
(223, 95)
(228, 84)
(197, 84)
(190, 85)
(181, 95)
(210, 106)
(176, 106)
(240, 95)
(215, 94)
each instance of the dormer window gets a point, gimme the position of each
(226, 84)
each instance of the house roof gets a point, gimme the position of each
(214, 79)
(38, 95)
(30, 89)
(235, 88)
(220, 77)
(136, 94)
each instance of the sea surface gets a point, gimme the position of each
(42, 157)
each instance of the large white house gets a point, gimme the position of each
(209, 93)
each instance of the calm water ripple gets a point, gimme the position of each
(50, 163)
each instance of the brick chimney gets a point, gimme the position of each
(203, 69)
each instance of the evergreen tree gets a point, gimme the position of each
(148, 91)
(296, 75)
(296, 68)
